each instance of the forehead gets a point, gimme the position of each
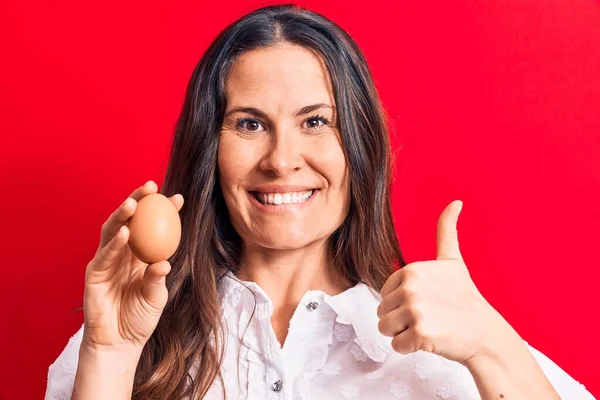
(279, 78)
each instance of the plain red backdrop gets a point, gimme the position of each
(496, 103)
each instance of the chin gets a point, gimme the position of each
(284, 241)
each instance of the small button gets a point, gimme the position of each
(312, 306)
(277, 386)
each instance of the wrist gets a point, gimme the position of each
(504, 365)
(125, 357)
(105, 372)
(497, 342)
(103, 351)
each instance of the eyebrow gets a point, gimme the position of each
(260, 114)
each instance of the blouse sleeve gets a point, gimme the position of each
(61, 374)
(566, 386)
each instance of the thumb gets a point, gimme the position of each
(447, 232)
(154, 289)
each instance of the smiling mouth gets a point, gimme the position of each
(283, 198)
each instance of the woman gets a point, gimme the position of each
(283, 286)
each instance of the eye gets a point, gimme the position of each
(253, 123)
(317, 118)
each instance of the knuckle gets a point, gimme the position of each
(415, 315)
(105, 227)
(421, 332)
(428, 346)
(407, 272)
(397, 345)
(409, 294)
(381, 310)
(381, 326)
(410, 273)
(414, 266)
(444, 232)
(418, 330)
(402, 346)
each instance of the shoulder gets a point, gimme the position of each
(364, 358)
(429, 373)
(61, 374)
(565, 385)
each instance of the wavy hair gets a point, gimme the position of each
(365, 247)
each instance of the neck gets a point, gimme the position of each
(286, 275)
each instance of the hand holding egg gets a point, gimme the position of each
(125, 291)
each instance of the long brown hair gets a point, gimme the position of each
(365, 246)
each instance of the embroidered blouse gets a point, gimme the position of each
(333, 350)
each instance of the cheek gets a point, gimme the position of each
(231, 162)
(331, 162)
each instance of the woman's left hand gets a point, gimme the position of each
(435, 306)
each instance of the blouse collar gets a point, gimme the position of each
(356, 306)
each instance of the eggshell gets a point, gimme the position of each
(155, 229)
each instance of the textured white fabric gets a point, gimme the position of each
(333, 351)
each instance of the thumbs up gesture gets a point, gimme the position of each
(434, 306)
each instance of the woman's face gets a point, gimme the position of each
(281, 164)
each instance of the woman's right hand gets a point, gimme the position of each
(123, 296)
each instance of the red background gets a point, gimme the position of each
(496, 103)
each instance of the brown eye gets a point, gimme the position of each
(251, 124)
(313, 122)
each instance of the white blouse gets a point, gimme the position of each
(333, 350)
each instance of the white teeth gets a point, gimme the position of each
(284, 198)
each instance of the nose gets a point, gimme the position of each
(284, 154)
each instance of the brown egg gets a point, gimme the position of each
(155, 229)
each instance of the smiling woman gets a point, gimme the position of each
(282, 166)
(284, 285)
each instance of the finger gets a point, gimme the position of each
(145, 189)
(447, 232)
(154, 289)
(120, 216)
(392, 283)
(116, 220)
(390, 302)
(177, 201)
(394, 322)
(108, 256)
(405, 342)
